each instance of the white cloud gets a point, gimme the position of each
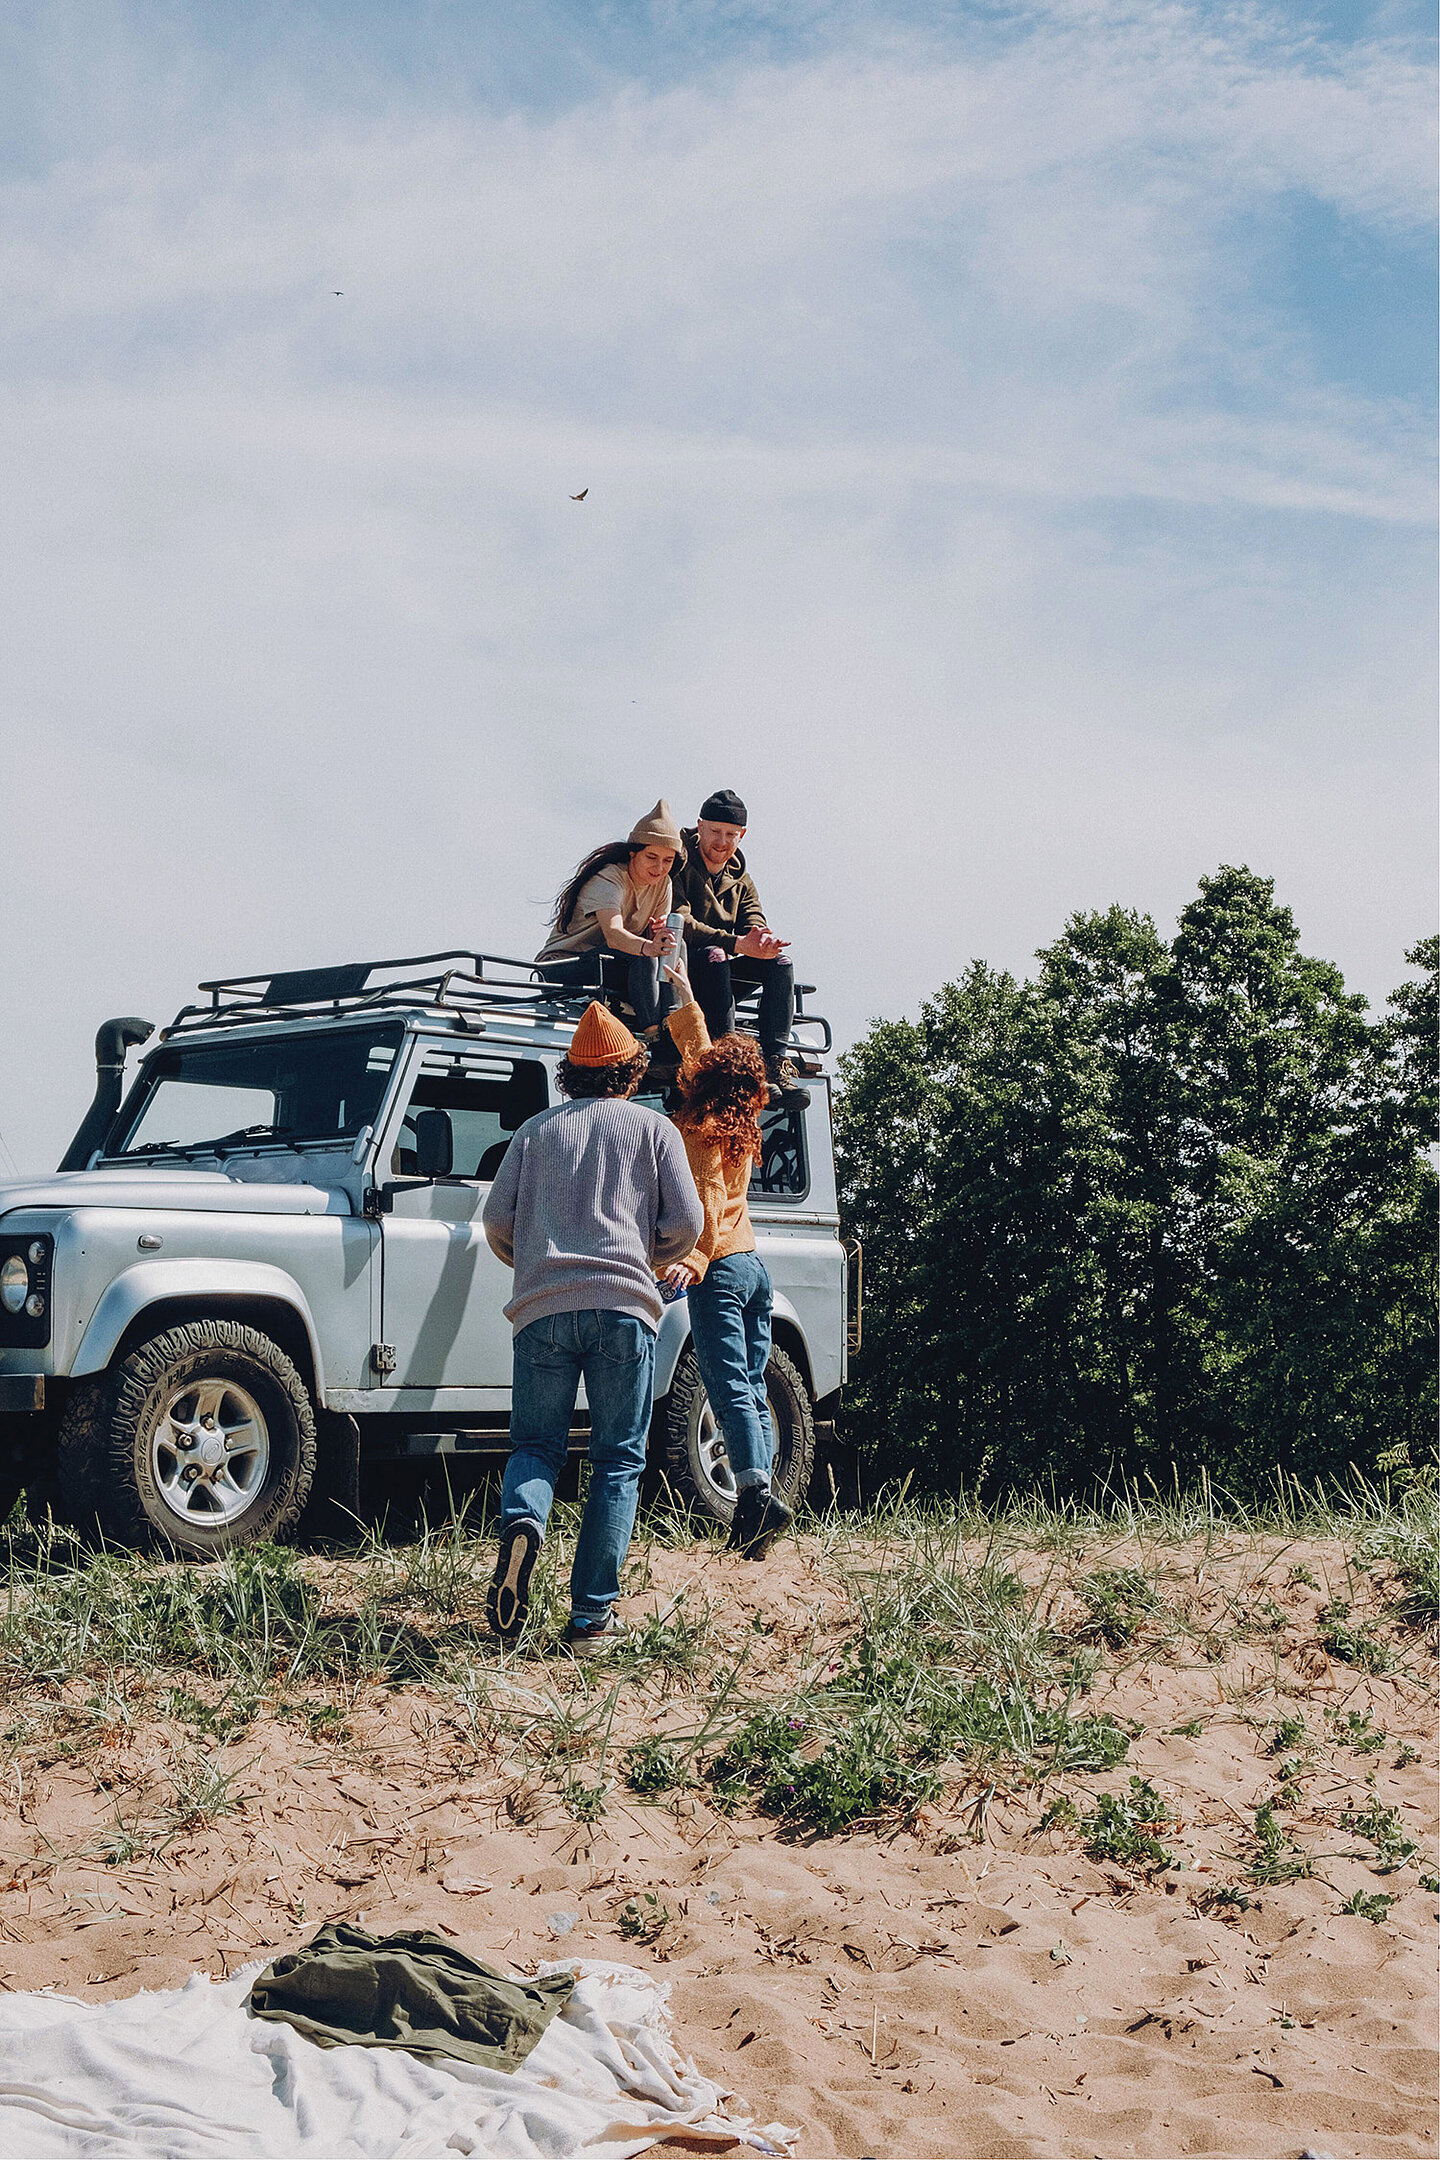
(954, 494)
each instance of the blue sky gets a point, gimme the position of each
(1009, 434)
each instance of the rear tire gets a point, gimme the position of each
(202, 1439)
(692, 1447)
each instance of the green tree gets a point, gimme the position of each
(1160, 1206)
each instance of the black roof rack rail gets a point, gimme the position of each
(485, 982)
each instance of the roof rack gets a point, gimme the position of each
(464, 984)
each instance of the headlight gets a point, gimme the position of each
(14, 1284)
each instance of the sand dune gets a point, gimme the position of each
(972, 1986)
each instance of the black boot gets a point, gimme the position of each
(759, 1519)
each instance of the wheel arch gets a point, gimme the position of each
(785, 1330)
(144, 1301)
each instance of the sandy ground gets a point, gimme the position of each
(973, 1986)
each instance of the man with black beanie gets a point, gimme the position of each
(728, 935)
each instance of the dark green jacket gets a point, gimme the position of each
(721, 908)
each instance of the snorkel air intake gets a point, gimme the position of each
(112, 1040)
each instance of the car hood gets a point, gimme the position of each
(205, 1191)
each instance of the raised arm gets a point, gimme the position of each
(686, 1022)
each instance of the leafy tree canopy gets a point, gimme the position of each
(1163, 1206)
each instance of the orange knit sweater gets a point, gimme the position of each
(722, 1186)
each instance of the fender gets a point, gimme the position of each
(675, 1333)
(153, 1280)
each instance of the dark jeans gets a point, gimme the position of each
(730, 1328)
(631, 974)
(714, 984)
(615, 1356)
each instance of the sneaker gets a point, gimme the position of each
(606, 1634)
(508, 1600)
(759, 1519)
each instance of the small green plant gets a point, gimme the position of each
(1302, 1574)
(1430, 1883)
(1266, 1618)
(1355, 1730)
(1122, 1827)
(1373, 1905)
(652, 1766)
(859, 1774)
(1385, 1831)
(586, 1803)
(1118, 1603)
(1289, 1733)
(203, 1790)
(1350, 1640)
(1190, 1730)
(1227, 1897)
(220, 1721)
(1406, 1756)
(1062, 1814)
(644, 1919)
(1276, 1858)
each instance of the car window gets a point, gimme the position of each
(286, 1088)
(486, 1096)
(783, 1171)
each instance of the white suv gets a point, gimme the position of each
(265, 1264)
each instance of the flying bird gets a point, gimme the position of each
(338, 295)
(581, 496)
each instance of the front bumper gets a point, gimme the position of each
(21, 1393)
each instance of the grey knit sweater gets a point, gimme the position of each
(592, 1197)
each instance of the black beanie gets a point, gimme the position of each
(724, 807)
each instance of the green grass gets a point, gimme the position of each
(939, 1671)
(1122, 1827)
(1118, 1602)
(1275, 1857)
(1353, 1641)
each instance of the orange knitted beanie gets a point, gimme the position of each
(601, 1039)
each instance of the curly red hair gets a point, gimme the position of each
(722, 1099)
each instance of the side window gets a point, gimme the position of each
(486, 1096)
(783, 1171)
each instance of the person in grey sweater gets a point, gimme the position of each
(591, 1198)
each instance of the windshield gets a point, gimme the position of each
(288, 1089)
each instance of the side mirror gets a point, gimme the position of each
(434, 1144)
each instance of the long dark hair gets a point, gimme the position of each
(722, 1099)
(600, 858)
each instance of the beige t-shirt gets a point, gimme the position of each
(610, 889)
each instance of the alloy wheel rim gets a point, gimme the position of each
(210, 1452)
(711, 1457)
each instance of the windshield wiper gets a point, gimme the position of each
(244, 1134)
(153, 1147)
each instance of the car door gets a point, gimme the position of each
(443, 1291)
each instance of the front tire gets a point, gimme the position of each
(202, 1439)
(692, 1446)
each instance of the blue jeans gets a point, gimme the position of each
(631, 974)
(615, 1355)
(730, 1328)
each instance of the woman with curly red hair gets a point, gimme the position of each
(722, 1092)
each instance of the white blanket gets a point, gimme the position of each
(190, 2075)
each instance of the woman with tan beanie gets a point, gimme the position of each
(609, 922)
